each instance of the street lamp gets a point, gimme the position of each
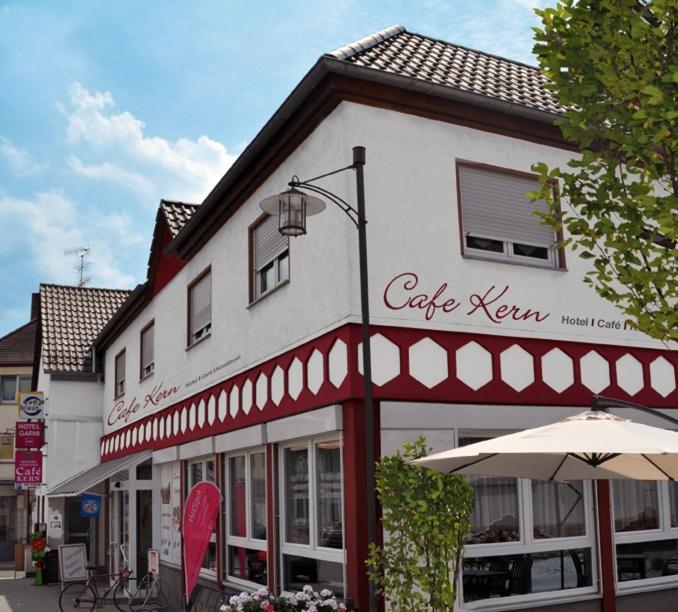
(292, 207)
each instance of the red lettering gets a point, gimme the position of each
(409, 282)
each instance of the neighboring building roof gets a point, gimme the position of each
(407, 54)
(177, 214)
(71, 318)
(16, 348)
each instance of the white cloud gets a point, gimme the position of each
(18, 160)
(41, 228)
(184, 169)
(110, 172)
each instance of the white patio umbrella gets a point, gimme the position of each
(592, 445)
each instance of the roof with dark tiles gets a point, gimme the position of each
(397, 51)
(177, 214)
(71, 318)
(16, 348)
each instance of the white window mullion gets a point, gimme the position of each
(525, 511)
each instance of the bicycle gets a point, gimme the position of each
(86, 595)
(148, 595)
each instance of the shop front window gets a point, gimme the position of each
(313, 525)
(246, 517)
(646, 531)
(527, 538)
(200, 470)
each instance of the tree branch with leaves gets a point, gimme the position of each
(613, 66)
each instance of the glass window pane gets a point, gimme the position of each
(196, 473)
(299, 571)
(266, 278)
(24, 384)
(641, 560)
(8, 388)
(484, 244)
(555, 570)
(495, 511)
(238, 496)
(210, 475)
(258, 493)
(283, 267)
(328, 485)
(635, 505)
(673, 496)
(247, 564)
(296, 495)
(557, 509)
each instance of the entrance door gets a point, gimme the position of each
(81, 530)
(7, 528)
(119, 530)
(144, 529)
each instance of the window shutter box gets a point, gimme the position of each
(268, 242)
(494, 205)
(201, 304)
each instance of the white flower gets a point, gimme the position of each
(326, 593)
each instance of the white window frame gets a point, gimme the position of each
(274, 261)
(207, 573)
(527, 544)
(664, 532)
(248, 541)
(119, 383)
(17, 388)
(311, 550)
(551, 262)
(146, 369)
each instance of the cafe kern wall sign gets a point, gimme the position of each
(27, 469)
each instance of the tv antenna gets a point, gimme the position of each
(82, 253)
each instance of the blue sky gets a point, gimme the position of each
(106, 107)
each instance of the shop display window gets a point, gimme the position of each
(646, 531)
(199, 470)
(312, 523)
(527, 538)
(245, 517)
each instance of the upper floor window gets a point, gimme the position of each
(200, 307)
(147, 361)
(270, 257)
(11, 385)
(497, 219)
(120, 373)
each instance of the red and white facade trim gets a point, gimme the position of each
(408, 365)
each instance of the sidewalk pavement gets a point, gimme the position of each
(21, 595)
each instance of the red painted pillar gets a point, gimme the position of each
(607, 551)
(355, 484)
(272, 519)
(355, 528)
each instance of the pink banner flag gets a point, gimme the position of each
(200, 517)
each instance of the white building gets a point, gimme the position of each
(238, 360)
(69, 318)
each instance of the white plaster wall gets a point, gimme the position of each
(413, 227)
(74, 427)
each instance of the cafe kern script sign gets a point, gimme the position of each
(493, 305)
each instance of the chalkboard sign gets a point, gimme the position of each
(51, 572)
(72, 562)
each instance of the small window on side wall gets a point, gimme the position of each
(200, 307)
(147, 360)
(120, 373)
(497, 219)
(270, 257)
